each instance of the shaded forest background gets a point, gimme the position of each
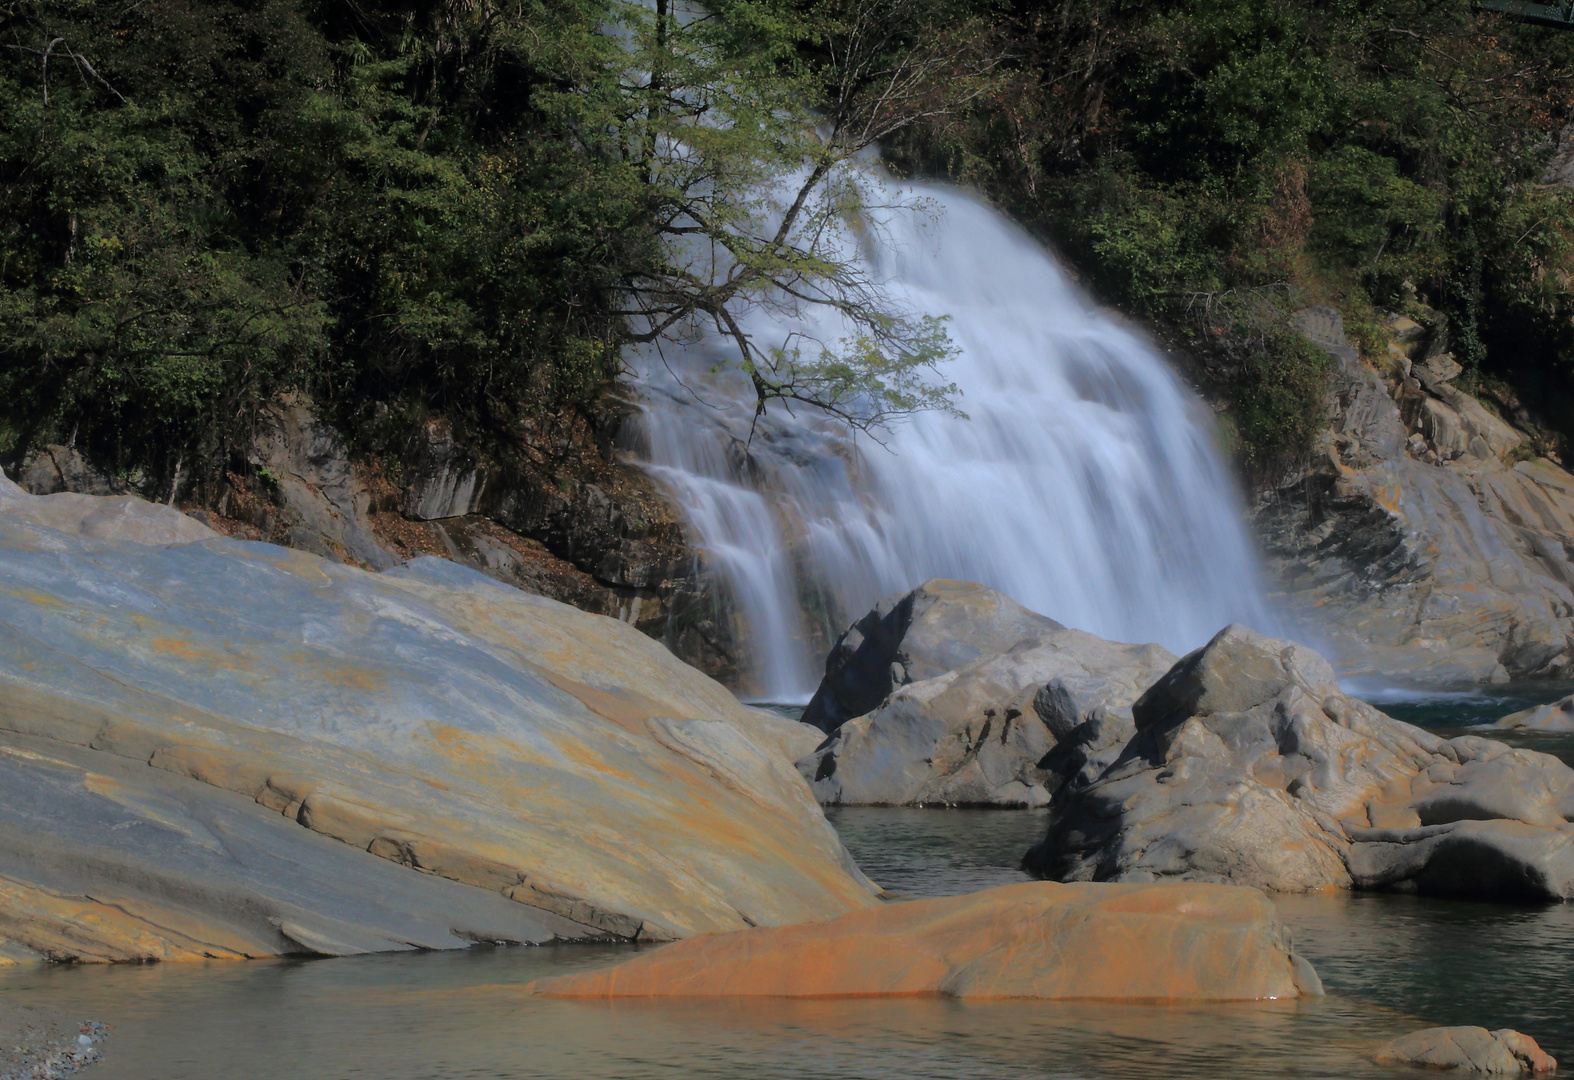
(443, 208)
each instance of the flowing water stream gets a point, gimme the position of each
(1084, 482)
(1392, 964)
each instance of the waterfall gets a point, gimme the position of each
(1084, 482)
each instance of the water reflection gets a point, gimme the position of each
(1392, 964)
(439, 1016)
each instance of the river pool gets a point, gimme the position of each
(1391, 964)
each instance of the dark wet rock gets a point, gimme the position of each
(1249, 765)
(441, 480)
(936, 628)
(1467, 1049)
(63, 468)
(1001, 729)
(322, 499)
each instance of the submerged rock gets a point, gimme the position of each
(1034, 940)
(1556, 716)
(1249, 765)
(1471, 1049)
(238, 749)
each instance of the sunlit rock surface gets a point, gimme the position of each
(233, 744)
(1554, 716)
(977, 693)
(1249, 765)
(1425, 539)
(936, 628)
(1034, 940)
(1467, 1049)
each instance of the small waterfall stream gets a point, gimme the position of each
(1084, 482)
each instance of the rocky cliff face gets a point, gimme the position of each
(1424, 540)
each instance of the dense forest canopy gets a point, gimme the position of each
(470, 207)
(1209, 163)
(466, 208)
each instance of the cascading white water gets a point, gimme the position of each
(1084, 483)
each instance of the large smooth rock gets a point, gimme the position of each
(936, 628)
(986, 732)
(427, 716)
(1249, 765)
(1034, 940)
(1555, 716)
(1418, 543)
(1469, 1049)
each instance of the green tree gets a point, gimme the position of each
(432, 206)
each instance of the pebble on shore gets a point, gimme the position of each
(38, 1044)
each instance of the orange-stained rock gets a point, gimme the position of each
(1169, 941)
(238, 749)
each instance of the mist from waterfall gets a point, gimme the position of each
(1084, 482)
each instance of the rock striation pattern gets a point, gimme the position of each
(1249, 765)
(1425, 539)
(967, 694)
(1170, 942)
(1468, 1049)
(238, 749)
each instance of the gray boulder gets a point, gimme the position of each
(1249, 765)
(936, 628)
(210, 747)
(1556, 716)
(1000, 728)
(1471, 1049)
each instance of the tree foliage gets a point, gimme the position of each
(1343, 147)
(466, 207)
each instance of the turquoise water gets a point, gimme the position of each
(1391, 963)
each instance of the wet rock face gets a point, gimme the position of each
(1417, 543)
(1172, 942)
(1468, 1049)
(1000, 727)
(256, 750)
(1248, 765)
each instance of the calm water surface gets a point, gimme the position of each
(1391, 964)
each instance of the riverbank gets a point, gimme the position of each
(1391, 964)
(44, 1044)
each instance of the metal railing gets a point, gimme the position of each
(1558, 15)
